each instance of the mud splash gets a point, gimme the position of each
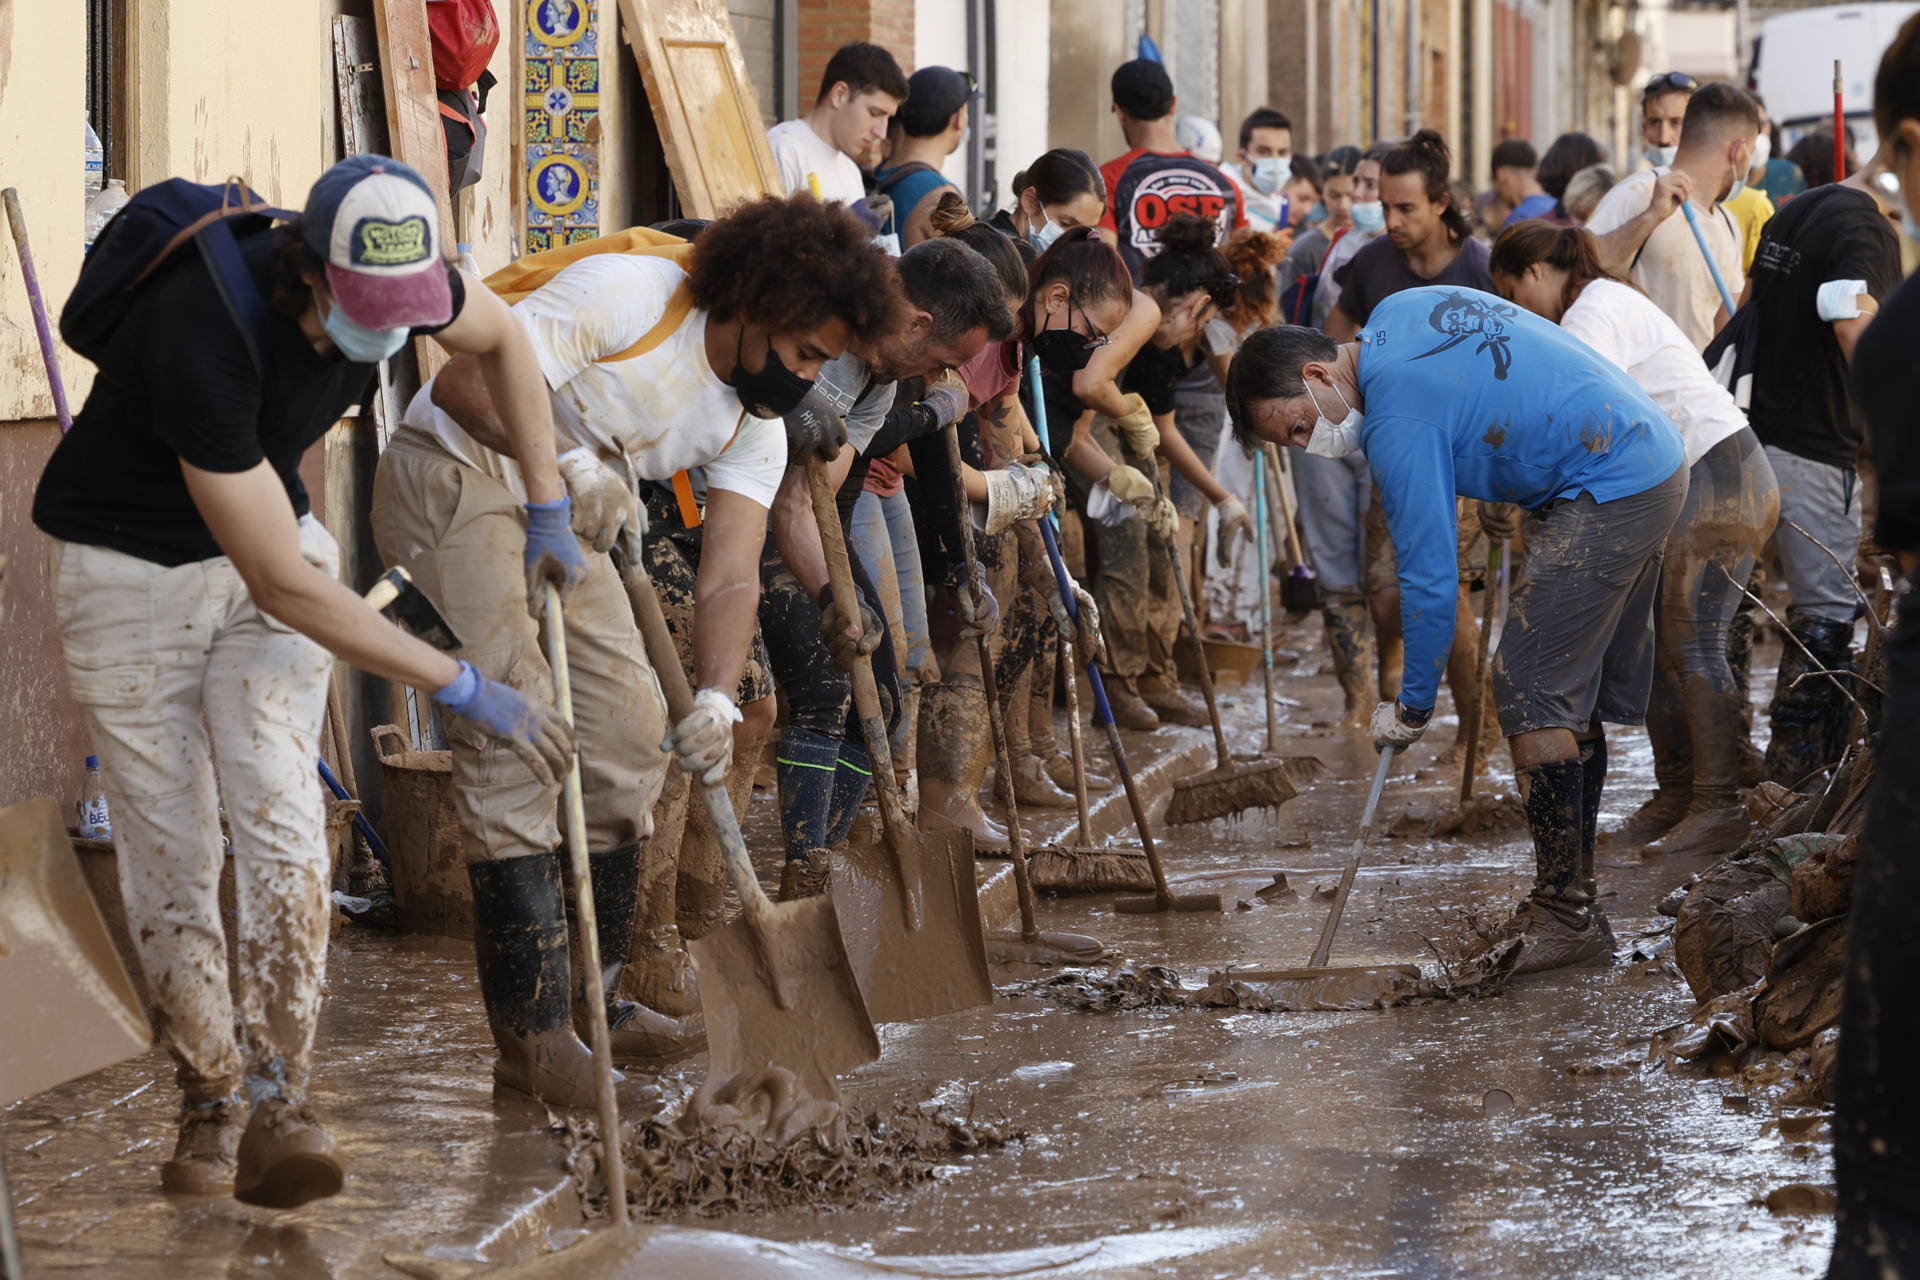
(676, 1168)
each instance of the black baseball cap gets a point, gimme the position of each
(933, 95)
(1143, 89)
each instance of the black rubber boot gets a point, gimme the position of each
(637, 1033)
(520, 948)
(1560, 928)
(1810, 717)
(1593, 779)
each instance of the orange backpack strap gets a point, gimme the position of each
(670, 320)
(523, 275)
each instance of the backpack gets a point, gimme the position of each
(146, 234)
(1297, 302)
(464, 34)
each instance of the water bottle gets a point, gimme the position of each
(94, 823)
(108, 201)
(96, 162)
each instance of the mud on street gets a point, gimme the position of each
(1523, 1134)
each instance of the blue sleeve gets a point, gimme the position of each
(1413, 465)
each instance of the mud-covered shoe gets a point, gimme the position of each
(204, 1153)
(660, 974)
(1060, 769)
(1561, 936)
(286, 1158)
(806, 876)
(643, 1036)
(1661, 812)
(1130, 710)
(1032, 787)
(1173, 704)
(1715, 831)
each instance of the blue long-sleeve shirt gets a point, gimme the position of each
(1466, 394)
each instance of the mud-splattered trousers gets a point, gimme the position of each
(462, 535)
(1132, 581)
(1693, 715)
(150, 651)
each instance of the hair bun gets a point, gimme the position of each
(951, 215)
(1188, 233)
(1430, 140)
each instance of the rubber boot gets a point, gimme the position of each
(852, 784)
(1653, 819)
(1593, 780)
(1171, 703)
(1560, 929)
(807, 876)
(636, 1032)
(956, 744)
(1350, 642)
(1130, 710)
(1810, 719)
(1716, 821)
(520, 949)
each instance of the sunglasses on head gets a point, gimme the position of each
(1222, 292)
(1671, 82)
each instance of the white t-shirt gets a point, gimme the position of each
(665, 409)
(1624, 325)
(1670, 268)
(799, 151)
(1263, 210)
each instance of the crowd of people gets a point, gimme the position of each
(1578, 373)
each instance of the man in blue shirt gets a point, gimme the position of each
(1463, 394)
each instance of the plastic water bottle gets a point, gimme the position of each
(94, 822)
(100, 210)
(96, 162)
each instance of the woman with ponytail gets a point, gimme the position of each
(1694, 714)
(1061, 191)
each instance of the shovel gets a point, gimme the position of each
(1300, 590)
(776, 986)
(1029, 946)
(913, 906)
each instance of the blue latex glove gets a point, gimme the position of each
(535, 732)
(553, 553)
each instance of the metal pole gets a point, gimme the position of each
(1839, 128)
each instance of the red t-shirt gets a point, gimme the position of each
(992, 373)
(1145, 188)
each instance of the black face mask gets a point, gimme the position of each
(775, 391)
(1062, 350)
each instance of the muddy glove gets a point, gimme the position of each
(1125, 492)
(535, 732)
(1499, 520)
(836, 624)
(1015, 492)
(1395, 728)
(947, 400)
(978, 609)
(1234, 524)
(1136, 427)
(815, 433)
(704, 737)
(553, 553)
(1084, 633)
(1162, 517)
(603, 501)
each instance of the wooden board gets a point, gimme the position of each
(356, 82)
(703, 103)
(414, 135)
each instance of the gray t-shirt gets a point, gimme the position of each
(1379, 271)
(848, 385)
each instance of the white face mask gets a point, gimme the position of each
(1661, 157)
(1762, 151)
(1334, 439)
(1269, 173)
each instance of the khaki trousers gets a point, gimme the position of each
(194, 700)
(462, 535)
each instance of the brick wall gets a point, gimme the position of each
(825, 25)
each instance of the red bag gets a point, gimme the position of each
(465, 34)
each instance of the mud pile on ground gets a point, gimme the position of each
(706, 1172)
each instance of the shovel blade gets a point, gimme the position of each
(65, 999)
(823, 1030)
(909, 973)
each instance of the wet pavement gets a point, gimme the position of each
(1521, 1135)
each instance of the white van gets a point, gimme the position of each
(1793, 67)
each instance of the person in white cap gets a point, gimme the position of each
(200, 610)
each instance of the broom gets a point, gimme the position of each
(1300, 592)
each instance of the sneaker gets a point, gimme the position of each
(1714, 831)
(805, 876)
(204, 1154)
(285, 1158)
(1130, 711)
(1033, 787)
(639, 1036)
(1173, 704)
(1560, 936)
(1060, 769)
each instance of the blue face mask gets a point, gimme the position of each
(1048, 232)
(1369, 216)
(1269, 173)
(357, 342)
(1661, 157)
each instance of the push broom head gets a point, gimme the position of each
(1065, 869)
(1235, 788)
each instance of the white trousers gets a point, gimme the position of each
(195, 700)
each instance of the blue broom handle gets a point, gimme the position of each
(1699, 238)
(359, 820)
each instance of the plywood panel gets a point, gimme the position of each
(414, 135)
(703, 102)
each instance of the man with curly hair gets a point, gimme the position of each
(652, 369)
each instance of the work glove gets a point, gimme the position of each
(1016, 492)
(704, 737)
(1162, 517)
(815, 432)
(1083, 632)
(838, 624)
(978, 609)
(553, 553)
(1392, 730)
(535, 732)
(1136, 426)
(1499, 520)
(603, 501)
(947, 400)
(1234, 524)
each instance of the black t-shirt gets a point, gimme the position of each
(1886, 385)
(176, 385)
(1379, 271)
(1155, 371)
(1801, 400)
